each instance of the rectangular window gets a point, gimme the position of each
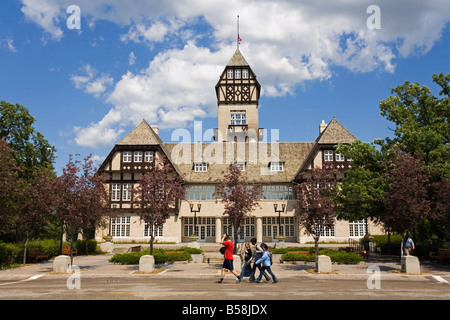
(327, 232)
(200, 192)
(358, 228)
(276, 166)
(240, 165)
(270, 226)
(238, 119)
(115, 192)
(237, 73)
(244, 73)
(230, 74)
(280, 192)
(158, 231)
(328, 155)
(200, 167)
(339, 157)
(127, 156)
(148, 156)
(126, 194)
(138, 156)
(120, 226)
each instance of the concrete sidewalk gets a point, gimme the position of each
(99, 266)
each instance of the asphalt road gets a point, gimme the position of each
(155, 287)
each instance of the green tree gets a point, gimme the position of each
(421, 120)
(31, 150)
(361, 193)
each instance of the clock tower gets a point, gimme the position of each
(237, 98)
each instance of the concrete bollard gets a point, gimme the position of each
(107, 247)
(197, 257)
(324, 264)
(61, 264)
(146, 263)
(410, 264)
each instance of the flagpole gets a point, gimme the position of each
(238, 32)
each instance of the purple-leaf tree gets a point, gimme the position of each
(156, 195)
(239, 197)
(82, 197)
(315, 202)
(407, 202)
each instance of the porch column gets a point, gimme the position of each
(218, 229)
(259, 228)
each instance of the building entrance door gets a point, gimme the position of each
(202, 234)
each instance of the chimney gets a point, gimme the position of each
(155, 128)
(322, 126)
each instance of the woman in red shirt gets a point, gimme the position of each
(228, 258)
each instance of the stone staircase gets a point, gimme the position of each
(211, 253)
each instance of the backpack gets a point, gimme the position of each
(222, 249)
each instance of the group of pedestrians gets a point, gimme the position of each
(260, 256)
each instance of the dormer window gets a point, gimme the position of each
(200, 167)
(240, 165)
(230, 74)
(276, 166)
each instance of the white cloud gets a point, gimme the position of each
(286, 43)
(131, 58)
(91, 84)
(8, 43)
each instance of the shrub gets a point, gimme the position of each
(81, 246)
(292, 256)
(159, 254)
(337, 256)
(10, 253)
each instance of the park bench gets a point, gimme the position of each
(135, 249)
(35, 253)
(66, 251)
(441, 255)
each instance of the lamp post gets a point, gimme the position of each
(275, 207)
(199, 206)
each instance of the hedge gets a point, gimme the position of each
(337, 256)
(160, 255)
(13, 252)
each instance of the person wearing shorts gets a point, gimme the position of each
(228, 259)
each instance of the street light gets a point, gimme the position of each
(199, 206)
(275, 207)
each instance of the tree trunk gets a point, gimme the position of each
(25, 250)
(316, 245)
(152, 239)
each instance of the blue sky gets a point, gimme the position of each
(160, 60)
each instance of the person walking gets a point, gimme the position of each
(407, 245)
(247, 267)
(366, 246)
(228, 258)
(257, 254)
(265, 261)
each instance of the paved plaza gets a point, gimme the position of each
(379, 278)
